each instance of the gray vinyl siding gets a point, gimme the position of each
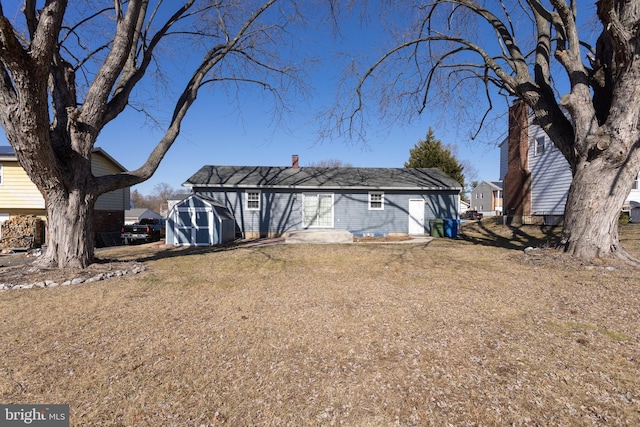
(550, 177)
(504, 159)
(481, 198)
(281, 211)
(351, 210)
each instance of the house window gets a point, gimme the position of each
(636, 182)
(252, 199)
(539, 147)
(317, 210)
(376, 201)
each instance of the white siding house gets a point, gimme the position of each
(549, 176)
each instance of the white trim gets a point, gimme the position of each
(318, 196)
(193, 228)
(416, 225)
(381, 201)
(246, 200)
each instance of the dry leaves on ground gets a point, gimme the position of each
(456, 332)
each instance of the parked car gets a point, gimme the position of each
(147, 230)
(471, 215)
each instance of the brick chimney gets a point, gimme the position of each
(294, 161)
(517, 181)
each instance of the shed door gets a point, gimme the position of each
(416, 216)
(195, 226)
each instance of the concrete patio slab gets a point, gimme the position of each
(319, 236)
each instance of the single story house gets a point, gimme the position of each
(132, 216)
(270, 200)
(20, 196)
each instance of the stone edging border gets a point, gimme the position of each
(139, 268)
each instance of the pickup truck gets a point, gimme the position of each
(147, 230)
(471, 215)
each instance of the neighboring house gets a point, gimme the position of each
(487, 198)
(536, 176)
(132, 216)
(464, 206)
(20, 196)
(269, 201)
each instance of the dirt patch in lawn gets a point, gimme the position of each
(455, 332)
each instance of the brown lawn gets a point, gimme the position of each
(462, 332)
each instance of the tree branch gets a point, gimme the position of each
(93, 110)
(187, 98)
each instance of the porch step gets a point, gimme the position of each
(319, 236)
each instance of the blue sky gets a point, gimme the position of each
(218, 132)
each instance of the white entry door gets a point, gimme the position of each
(416, 216)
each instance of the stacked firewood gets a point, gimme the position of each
(22, 231)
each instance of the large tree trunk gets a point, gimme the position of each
(593, 207)
(70, 233)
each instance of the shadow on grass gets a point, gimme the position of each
(157, 252)
(489, 233)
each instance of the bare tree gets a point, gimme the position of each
(530, 51)
(330, 163)
(67, 70)
(157, 200)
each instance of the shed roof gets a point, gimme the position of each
(222, 211)
(323, 178)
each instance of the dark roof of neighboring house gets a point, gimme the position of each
(326, 178)
(137, 212)
(498, 184)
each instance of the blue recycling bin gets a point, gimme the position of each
(451, 227)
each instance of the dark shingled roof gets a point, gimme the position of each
(325, 178)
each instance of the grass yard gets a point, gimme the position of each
(470, 331)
